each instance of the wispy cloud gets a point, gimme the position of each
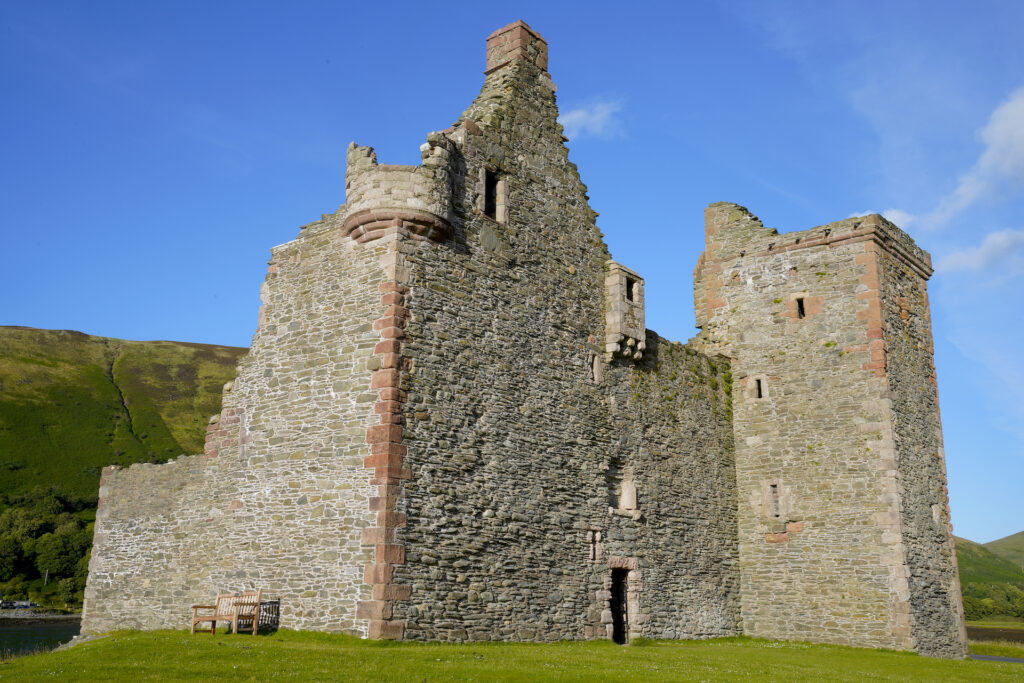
(903, 219)
(1000, 167)
(1001, 164)
(997, 247)
(597, 120)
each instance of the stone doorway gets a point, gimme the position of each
(619, 590)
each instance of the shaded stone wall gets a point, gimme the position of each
(511, 428)
(673, 417)
(938, 623)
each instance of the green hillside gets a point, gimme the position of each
(71, 403)
(992, 586)
(978, 564)
(1010, 548)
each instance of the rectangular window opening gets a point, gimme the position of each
(630, 285)
(776, 513)
(759, 393)
(620, 626)
(801, 312)
(490, 193)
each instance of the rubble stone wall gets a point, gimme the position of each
(514, 424)
(938, 624)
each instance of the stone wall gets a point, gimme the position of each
(513, 422)
(673, 416)
(281, 498)
(144, 569)
(938, 623)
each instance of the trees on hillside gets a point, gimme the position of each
(44, 535)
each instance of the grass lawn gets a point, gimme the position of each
(998, 622)
(288, 655)
(1000, 648)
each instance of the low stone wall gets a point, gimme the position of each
(282, 496)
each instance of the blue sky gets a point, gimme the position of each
(152, 153)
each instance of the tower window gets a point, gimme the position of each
(801, 312)
(776, 512)
(630, 289)
(758, 389)
(490, 193)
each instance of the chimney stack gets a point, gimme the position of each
(517, 41)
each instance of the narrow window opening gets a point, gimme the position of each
(613, 480)
(594, 540)
(759, 392)
(490, 193)
(620, 627)
(630, 285)
(801, 312)
(776, 513)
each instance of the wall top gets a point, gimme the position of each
(731, 231)
(516, 42)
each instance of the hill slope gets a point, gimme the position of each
(1010, 548)
(978, 564)
(992, 586)
(71, 403)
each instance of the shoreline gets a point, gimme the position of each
(27, 615)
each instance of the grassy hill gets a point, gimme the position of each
(978, 564)
(71, 403)
(1010, 548)
(992, 586)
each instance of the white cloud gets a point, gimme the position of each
(598, 120)
(901, 218)
(1000, 164)
(996, 247)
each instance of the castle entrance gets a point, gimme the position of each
(620, 625)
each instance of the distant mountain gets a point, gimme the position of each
(71, 403)
(978, 564)
(1010, 548)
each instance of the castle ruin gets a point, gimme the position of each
(454, 425)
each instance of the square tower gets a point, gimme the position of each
(844, 530)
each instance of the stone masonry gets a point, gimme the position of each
(843, 515)
(454, 425)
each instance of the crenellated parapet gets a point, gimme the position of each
(383, 196)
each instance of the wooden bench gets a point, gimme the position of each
(247, 610)
(223, 610)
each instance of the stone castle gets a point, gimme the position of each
(454, 425)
